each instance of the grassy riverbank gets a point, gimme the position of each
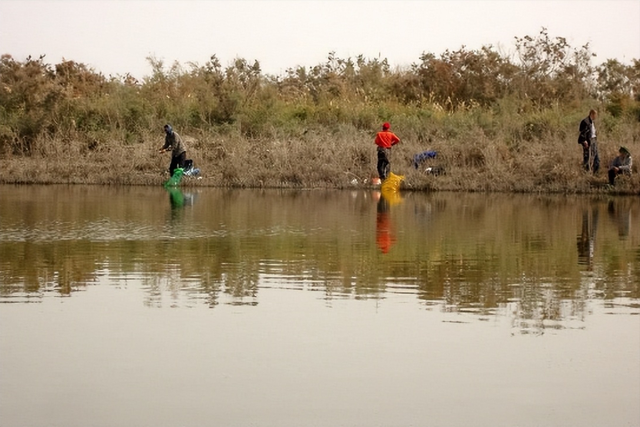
(476, 150)
(497, 123)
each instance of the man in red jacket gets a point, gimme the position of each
(385, 140)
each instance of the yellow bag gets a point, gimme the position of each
(392, 183)
(390, 188)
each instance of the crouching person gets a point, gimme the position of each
(621, 164)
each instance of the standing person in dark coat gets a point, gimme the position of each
(587, 138)
(173, 142)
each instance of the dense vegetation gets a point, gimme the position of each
(498, 123)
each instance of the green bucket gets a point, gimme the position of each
(175, 179)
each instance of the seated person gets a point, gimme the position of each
(621, 164)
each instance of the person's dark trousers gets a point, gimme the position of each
(612, 176)
(594, 155)
(383, 163)
(177, 162)
(585, 157)
(590, 158)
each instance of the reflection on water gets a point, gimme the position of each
(166, 307)
(480, 254)
(620, 213)
(384, 234)
(586, 238)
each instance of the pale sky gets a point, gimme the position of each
(116, 36)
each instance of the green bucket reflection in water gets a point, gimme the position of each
(176, 197)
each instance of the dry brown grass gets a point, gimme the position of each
(471, 162)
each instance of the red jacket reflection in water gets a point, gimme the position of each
(384, 233)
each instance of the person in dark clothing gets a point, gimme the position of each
(587, 138)
(173, 142)
(385, 139)
(621, 164)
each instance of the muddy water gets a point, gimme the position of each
(147, 307)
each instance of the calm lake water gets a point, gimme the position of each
(140, 306)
